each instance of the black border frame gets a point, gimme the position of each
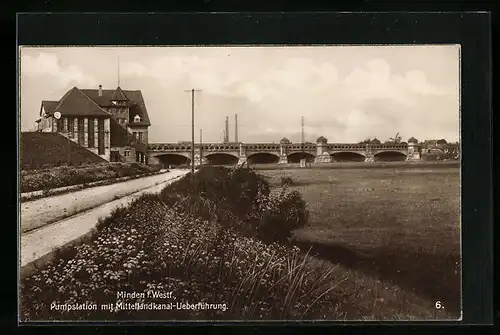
(471, 30)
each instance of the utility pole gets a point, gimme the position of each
(226, 138)
(302, 133)
(201, 147)
(192, 127)
(118, 73)
(236, 128)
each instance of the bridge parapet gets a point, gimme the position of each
(321, 150)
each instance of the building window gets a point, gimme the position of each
(81, 132)
(71, 126)
(126, 153)
(91, 133)
(137, 118)
(100, 134)
(60, 125)
(140, 137)
(134, 134)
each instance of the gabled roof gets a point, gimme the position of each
(119, 95)
(321, 139)
(48, 106)
(412, 140)
(134, 97)
(285, 140)
(74, 102)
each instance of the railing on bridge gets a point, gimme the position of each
(270, 146)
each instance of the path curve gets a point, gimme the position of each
(40, 212)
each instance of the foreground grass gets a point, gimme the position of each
(150, 246)
(47, 179)
(399, 224)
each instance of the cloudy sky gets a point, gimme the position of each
(346, 93)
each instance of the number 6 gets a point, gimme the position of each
(438, 304)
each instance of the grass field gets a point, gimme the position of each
(400, 224)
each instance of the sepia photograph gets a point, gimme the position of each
(239, 183)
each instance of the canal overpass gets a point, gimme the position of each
(283, 152)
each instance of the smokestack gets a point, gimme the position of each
(236, 128)
(100, 90)
(226, 139)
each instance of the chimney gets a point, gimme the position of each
(236, 128)
(227, 130)
(100, 90)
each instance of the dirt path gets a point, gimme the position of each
(37, 213)
(43, 241)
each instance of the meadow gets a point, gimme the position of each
(399, 224)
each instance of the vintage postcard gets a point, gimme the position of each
(174, 183)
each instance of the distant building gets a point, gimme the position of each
(412, 140)
(111, 123)
(440, 147)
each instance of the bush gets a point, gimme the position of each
(35, 180)
(287, 181)
(239, 199)
(150, 246)
(279, 214)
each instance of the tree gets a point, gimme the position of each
(396, 139)
(441, 142)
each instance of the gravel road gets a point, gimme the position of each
(40, 212)
(40, 242)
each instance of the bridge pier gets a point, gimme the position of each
(370, 158)
(283, 159)
(413, 152)
(323, 158)
(242, 159)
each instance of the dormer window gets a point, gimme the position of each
(137, 118)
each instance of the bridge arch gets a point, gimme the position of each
(173, 159)
(295, 157)
(263, 158)
(348, 156)
(221, 158)
(390, 156)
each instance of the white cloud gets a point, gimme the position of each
(345, 94)
(132, 69)
(48, 64)
(375, 80)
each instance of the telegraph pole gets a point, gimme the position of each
(302, 132)
(192, 126)
(201, 147)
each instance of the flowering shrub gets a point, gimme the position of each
(241, 199)
(35, 180)
(287, 181)
(151, 246)
(278, 214)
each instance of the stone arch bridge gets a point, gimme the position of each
(283, 153)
